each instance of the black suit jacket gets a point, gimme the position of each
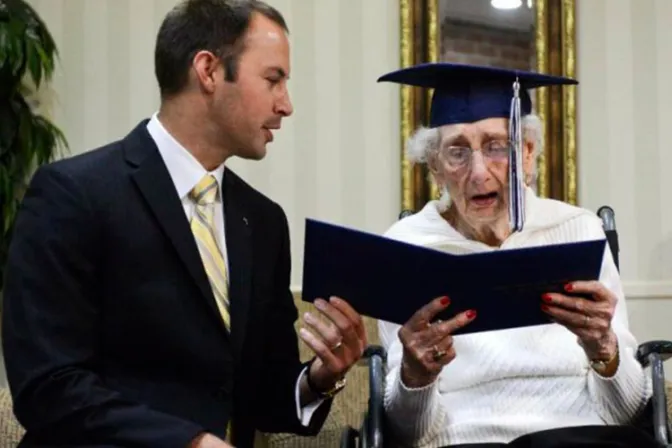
(111, 333)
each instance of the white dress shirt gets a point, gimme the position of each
(186, 172)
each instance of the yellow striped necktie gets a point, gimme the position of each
(203, 227)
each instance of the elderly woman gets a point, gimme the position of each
(575, 380)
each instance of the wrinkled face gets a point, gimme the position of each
(244, 113)
(472, 162)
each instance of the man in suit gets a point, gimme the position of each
(147, 298)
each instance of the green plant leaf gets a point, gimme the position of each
(34, 59)
(43, 50)
(27, 135)
(9, 123)
(16, 47)
(43, 31)
(26, 139)
(4, 44)
(47, 60)
(56, 141)
(44, 141)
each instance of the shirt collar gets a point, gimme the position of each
(184, 169)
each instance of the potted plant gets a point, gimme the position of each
(27, 138)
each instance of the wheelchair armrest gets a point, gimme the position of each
(654, 354)
(371, 433)
(375, 350)
(662, 348)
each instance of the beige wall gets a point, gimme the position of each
(335, 159)
(625, 153)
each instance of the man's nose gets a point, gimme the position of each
(284, 105)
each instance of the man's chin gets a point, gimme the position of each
(257, 153)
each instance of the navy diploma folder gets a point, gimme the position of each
(391, 280)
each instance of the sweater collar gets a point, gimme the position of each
(429, 228)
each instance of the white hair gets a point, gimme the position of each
(425, 142)
(533, 130)
(422, 144)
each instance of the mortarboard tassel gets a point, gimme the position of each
(516, 194)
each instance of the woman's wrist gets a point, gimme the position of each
(414, 380)
(606, 361)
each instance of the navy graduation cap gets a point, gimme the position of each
(469, 93)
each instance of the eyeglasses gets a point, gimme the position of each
(461, 156)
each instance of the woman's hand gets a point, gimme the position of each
(588, 318)
(428, 347)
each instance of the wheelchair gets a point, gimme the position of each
(654, 419)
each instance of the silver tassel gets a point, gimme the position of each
(516, 192)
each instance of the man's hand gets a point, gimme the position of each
(338, 343)
(589, 319)
(428, 347)
(206, 440)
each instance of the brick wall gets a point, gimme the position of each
(470, 43)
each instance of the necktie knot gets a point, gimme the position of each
(205, 191)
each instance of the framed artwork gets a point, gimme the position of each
(534, 35)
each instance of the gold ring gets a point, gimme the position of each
(335, 347)
(438, 354)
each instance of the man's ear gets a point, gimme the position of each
(206, 66)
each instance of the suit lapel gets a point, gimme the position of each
(238, 228)
(154, 182)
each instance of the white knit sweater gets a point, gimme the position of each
(504, 384)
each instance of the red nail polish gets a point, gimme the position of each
(471, 314)
(544, 308)
(547, 298)
(569, 287)
(445, 301)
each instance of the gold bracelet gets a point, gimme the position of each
(602, 367)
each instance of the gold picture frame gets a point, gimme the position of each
(556, 106)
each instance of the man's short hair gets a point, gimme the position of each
(217, 26)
